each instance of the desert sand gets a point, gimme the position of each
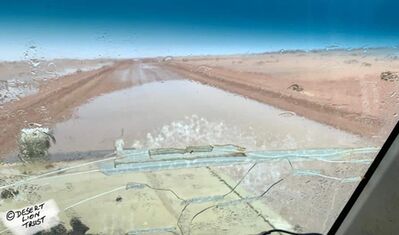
(342, 88)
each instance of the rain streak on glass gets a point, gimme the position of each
(141, 117)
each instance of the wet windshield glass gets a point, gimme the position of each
(190, 117)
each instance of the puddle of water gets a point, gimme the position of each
(182, 112)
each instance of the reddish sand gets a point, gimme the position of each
(55, 101)
(339, 88)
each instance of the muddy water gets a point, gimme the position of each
(181, 112)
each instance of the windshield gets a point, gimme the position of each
(190, 117)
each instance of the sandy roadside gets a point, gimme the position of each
(60, 98)
(337, 91)
(56, 100)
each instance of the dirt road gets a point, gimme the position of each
(172, 111)
(57, 99)
(339, 88)
(341, 119)
(159, 107)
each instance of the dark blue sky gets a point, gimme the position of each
(176, 27)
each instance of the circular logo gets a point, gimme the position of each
(10, 215)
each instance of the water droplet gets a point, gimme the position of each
(295, 87)
(34, 62)
(287, 114)
(52, 68)
(333, 46)
(168, 58)
(51, 65)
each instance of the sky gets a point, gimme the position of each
(147, 28)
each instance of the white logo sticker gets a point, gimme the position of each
(31, 219)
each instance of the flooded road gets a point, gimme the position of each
(159, 108)
(168, 110)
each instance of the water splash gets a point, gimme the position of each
(195, 130)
